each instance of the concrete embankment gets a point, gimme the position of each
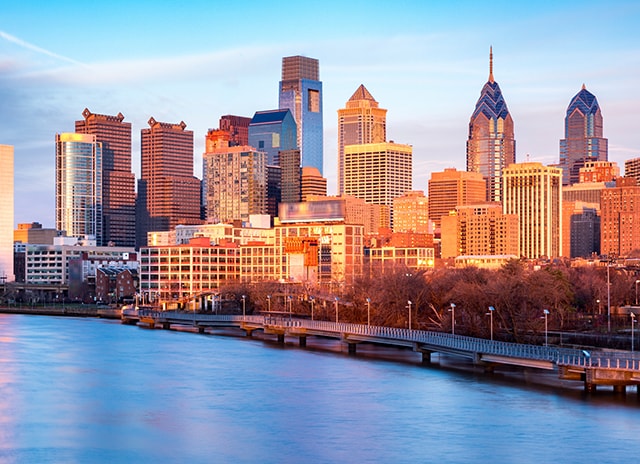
(72, 311)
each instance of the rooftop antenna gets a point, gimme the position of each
(491, 64)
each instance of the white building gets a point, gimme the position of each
(6, 213)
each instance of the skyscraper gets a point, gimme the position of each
(491, 145)
(6, 213)
(361, 121)
(301, 93)
(271, 132)
(451, 188)
(118, 182)
(168, 193)
(411, 213)
(534, 193)
(79, 186)
(234, 183)
(583, 139)
(378, 172)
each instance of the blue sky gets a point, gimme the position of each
(424, 61)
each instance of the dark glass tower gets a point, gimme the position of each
(491, 146)
(583, 139)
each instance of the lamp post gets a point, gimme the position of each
(336, 303)
(453, 318)
(608, 299)
(312, 301)
(546, 338)
(633, 321)
(368, 311)
(409, 302)
(244, 298)
(290, 306)
(490, 313)
(269, 304)
(637, 281)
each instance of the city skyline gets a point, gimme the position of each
(428, 75)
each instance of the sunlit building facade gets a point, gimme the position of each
(6, 213)
(79, 186)
(411, 213)
(361, 121)
(583, 141)
(632, 168)
(451, 188)
(168, 192)
(272, 132)
(118, 182)
(620, 221)
(491, 145)
(312, 183)
(533, 192)
(301, 93)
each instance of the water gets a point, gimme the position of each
(91, 390)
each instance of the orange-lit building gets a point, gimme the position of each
(411, 213)
(599, 171)
(620, 222)
(313, 184)
(451, 188)
(168, 192)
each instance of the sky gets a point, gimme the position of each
(424, 61)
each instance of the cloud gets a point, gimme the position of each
(15, 40)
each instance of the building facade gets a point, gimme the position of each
(534, 193)
(583, 141)
(301, 93)
(378, 172)
(312, 183)
(632, 168)
(599, 171)
(234, 183)
(360, 121)
(79, 186)
(6, 213)
(118, 182)
(272, 132)
(620, 221)
(491, 144)
(451, 188)
(411, 213)
(168, 192)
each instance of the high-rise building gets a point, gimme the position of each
(599, 171)
(620, 221)
(411, 213)
(534, 193)
(118, 182)
(6, 213)
(313, 184)
(272, 132)
(632, 169)
(237, 127)
(291, 172)
(168, 193)
(480, 230)
(491, 145)
(79, 186)
(378, 172)
(301, 93)
(581, 228)
(583, 139)
(361, 121)
(234, 183)
(451, 188)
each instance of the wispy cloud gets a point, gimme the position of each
(29, 46)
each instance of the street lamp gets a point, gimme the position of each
(243, 306)
(269, 303)
(368, 311)
(490, 313)
(409, 302)
(546, 338)
(336, 303)
(608, 299)
(453, 318)
(290, 306)
(637, 281)
(312, 301)
(633, 321)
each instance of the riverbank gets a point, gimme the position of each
(64, 310)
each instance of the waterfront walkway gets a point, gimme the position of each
(618, 369)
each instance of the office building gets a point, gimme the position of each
(599, 171)
(632, 168)
(581, 229)
(79, 186)
(272, 132)
(168, 192)
(583, 141)
(360, 121)
(378, 172)
(411, 213)
(118, 182)
(301, 93)
(534, 193)
(451, 188)
(491, 145)
(234, 183)
(237, 127)
(291, 176)
(34, 233)
(312, 183)
(6, 213)
(620, 218)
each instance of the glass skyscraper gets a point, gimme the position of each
(301, 93)
(491, 146)
(583, 141)
(272, 132)
(79, 186)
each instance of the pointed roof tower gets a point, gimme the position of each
(361, 93)
(491, 101)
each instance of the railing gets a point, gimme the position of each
(437, 340)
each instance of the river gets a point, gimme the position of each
(76, 390)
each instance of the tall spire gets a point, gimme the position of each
(491, 64)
